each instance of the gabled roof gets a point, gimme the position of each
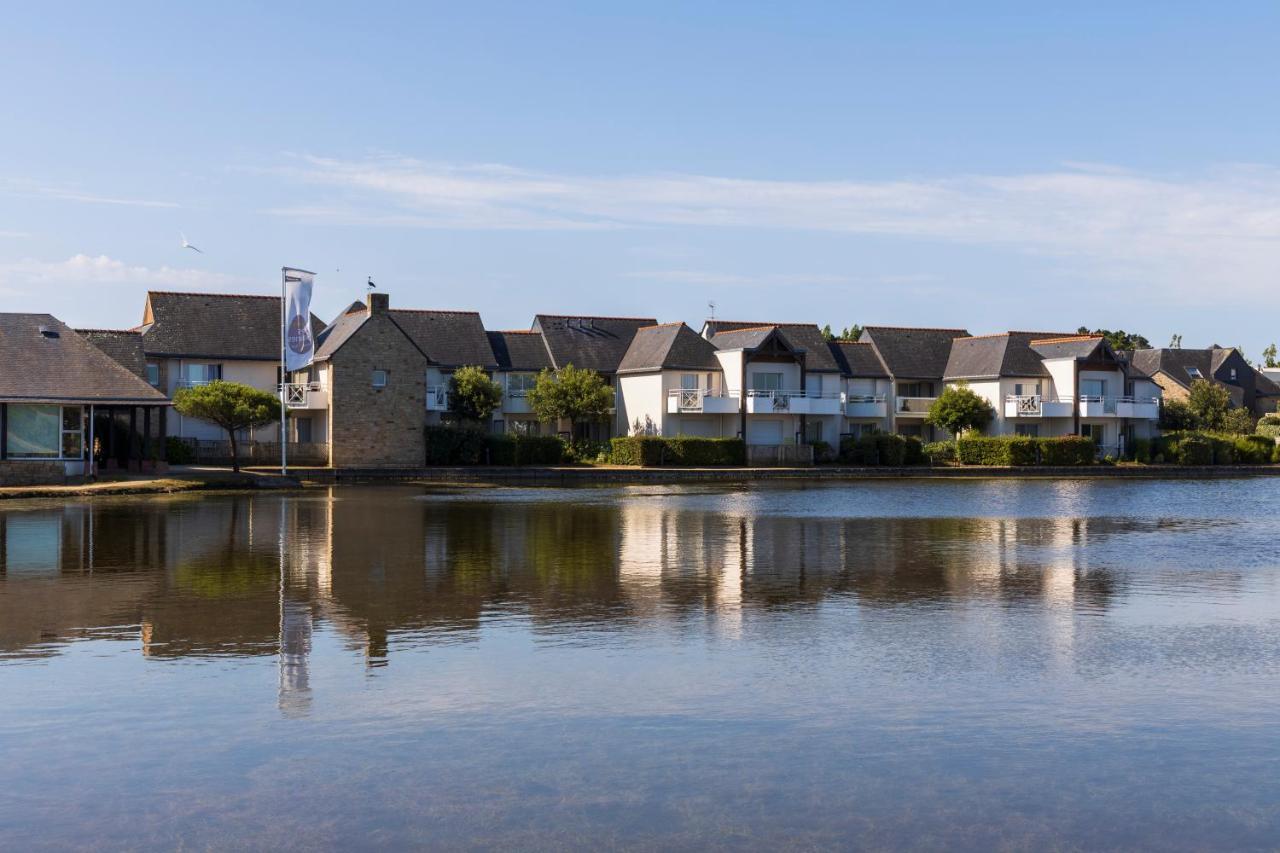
(747, 338)
(339, 331)
(123, 345)
(595, 343)
(857, 359)
(993, 356)
(520, 350)
(801, 336)
(1178, 363)
(670, 346)
(449, 338)
(912, 353)
(213, 325)
(1071, 346)
(45, 361)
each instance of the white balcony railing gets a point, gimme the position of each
(193, 383)
(797, 402)
(1089, 405)
(865, 406)
(303, 395)
(705, 400)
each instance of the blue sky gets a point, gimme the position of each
(992, 166)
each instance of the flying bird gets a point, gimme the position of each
(187, 245)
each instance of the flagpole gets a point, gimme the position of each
(284, 429)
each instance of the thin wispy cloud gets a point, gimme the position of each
(33, 277)
(1225, 222)
(71, 194)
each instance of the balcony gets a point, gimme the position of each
(912, 407)
(793, 403)
(305, 395)
(516, 403)
(865, 406)
(1144, 408)
(437, 398)
(1036, 406)
(691, 401)
(1094, 406)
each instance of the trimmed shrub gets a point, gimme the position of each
(447, 445)
(822, 452)
(1142, 450)
(1003, 450)
(913, 451)
(1070, 450)
(1191, 449)
(178, 452)
(651, 450)
(499, 450)
(939, 451)
(1254, 449)
(1269, 426)
(892, 449)
(538, 450)
(1224, 449)
(859, 451)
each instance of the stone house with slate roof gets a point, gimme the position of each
(1175, 369)
(63, 400)
(1051, 384)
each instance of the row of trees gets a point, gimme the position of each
(1207, 407)
(574, 394)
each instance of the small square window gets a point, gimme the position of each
(153, 374)
(379, 379)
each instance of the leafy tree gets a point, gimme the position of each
(1177, 415)
(1119, 339)
(473, 396)
(1269, 357)
(827, 334)
(958, 409)
(1210, 402)
(1238, 421)
(571, 394)
(230, 405)
(852, 333)
(1175, 342)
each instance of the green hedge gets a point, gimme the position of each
(1269, 426)
(1024, 450)
(1067, 450)
(1005, 450)
(450, 445)
(1201, 448)
(913, 451)
(881, 448)
(940, 451)
(650, 450)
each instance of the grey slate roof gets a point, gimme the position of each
(1175, 362)
(800, 336)
(596, 343)
(857, 359)
(65, 368)
(213, 325)
(448, 338)
(911, 353)
(520, 350)
(124, 345)
(747, 338)
(1071, 346)
(670, 346)
(339, 331)
(993, 356)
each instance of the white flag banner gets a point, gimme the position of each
(298, 345)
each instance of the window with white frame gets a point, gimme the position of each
(200, 374)
(766, 382)
(1026, 389)
(45, 432)
(379, 378)
(688, 382)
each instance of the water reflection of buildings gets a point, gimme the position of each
(258, 575)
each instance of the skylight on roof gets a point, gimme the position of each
(1194, 373)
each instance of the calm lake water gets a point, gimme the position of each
(968, 665)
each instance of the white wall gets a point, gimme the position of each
(641, 397)
(256, 374)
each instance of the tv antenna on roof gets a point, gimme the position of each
(712, 306)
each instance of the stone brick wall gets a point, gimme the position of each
(377, 427)
(31, 473)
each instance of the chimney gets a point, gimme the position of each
(379, 303)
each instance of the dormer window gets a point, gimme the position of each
(49, 332)
(1194, 373)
